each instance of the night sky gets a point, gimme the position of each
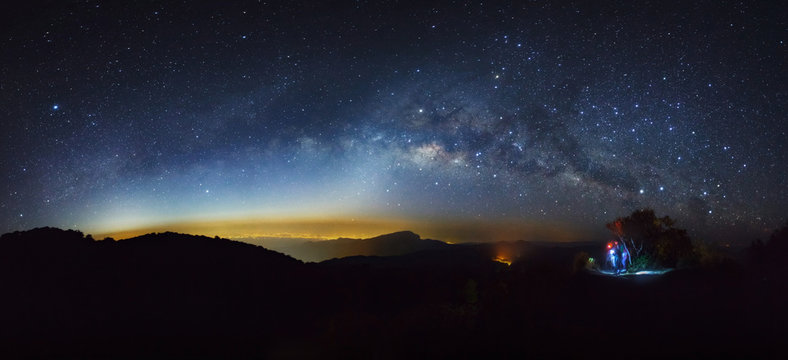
(137, 115)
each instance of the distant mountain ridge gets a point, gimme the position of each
(398, 243)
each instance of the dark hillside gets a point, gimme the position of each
(172, 295)
(73, 295)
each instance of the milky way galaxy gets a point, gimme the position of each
(129, 115)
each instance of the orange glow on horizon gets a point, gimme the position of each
(454, 231)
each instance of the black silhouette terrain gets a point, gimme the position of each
(172, 295)
(398, 243)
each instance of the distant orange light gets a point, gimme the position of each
(503, 260)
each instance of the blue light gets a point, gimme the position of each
(55, 107)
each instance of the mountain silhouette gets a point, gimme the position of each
(170, 295)
(521, 256)
(63, 287)
(184, 250)
(398, 243)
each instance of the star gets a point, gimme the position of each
(290, 118)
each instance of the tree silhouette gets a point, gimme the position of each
(653, 240)
(778, 241)
(770, 255)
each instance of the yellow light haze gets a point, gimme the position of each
(456, 231)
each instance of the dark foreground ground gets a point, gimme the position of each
(180, 296)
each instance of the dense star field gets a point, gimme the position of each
(124, 115)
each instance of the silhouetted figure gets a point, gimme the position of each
(612, 257)
(626, 259)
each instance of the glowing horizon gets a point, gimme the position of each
(314, 228)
